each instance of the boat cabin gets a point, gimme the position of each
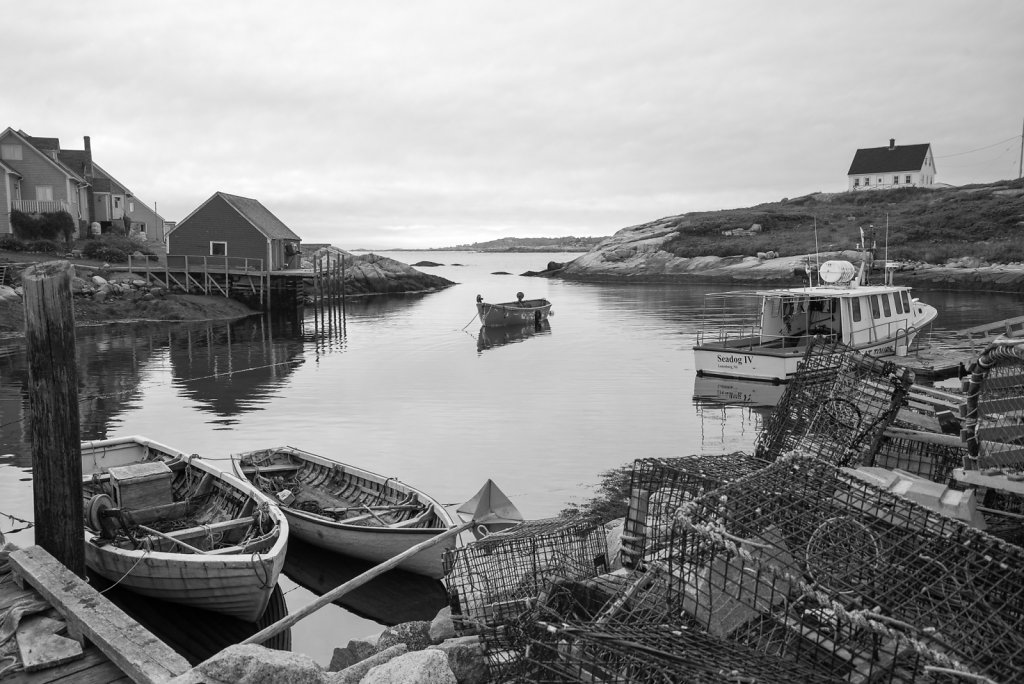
(854, 317)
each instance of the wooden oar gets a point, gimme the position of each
(286, 622)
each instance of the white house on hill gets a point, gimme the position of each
(892, 167)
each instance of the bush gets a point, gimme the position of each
(47, 246)
(50, 226)
(11, 243)
(98, 250)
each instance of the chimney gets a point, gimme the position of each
(88, 157)
(892, 144)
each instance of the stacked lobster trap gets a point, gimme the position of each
(836, 407)
(808, 562)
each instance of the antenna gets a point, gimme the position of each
(887, 237)
(817, 266)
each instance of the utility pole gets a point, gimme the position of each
(1020, 166)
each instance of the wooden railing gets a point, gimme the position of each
(43, 207)
(186, 262)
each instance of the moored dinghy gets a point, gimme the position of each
(349, 510)
(174, 527)
(513, 313)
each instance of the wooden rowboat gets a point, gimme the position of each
(519, 312)
(349, 510)
(174, 527)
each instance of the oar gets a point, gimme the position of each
(289, 620)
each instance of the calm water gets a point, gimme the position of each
(408, 387)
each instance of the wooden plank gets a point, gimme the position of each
(41, 647)
(251, 470)
(92, 668)
(1000, 482)
(1006, 326)
(988, 407)
(1006, 434)
(132, 648)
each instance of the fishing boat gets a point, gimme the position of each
(879, 320)
(349, 510)
(174, 527)
(519, 312)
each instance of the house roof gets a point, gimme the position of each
(255, 213)
(43, 146)
(889, 160)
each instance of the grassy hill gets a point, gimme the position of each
(926, 225)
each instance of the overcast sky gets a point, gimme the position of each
(429, 124)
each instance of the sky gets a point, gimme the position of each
(432, 123)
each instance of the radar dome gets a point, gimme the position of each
(837, 272)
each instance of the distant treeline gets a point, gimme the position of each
(544, 244)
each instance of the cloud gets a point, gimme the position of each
(393, 124)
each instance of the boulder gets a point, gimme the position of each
(425, 264)
(441, 627)
(421, 667)
(252, 664)
(81, 286)
(354, 673)
(466, 659)
(355, 652)
(7, 292)
(415, 635)
(100, 296)
(99, 281)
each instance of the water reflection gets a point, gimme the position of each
(392, 598)
(728, 392)
(491, 337)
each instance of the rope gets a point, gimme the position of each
(145, 552)
(467, 324)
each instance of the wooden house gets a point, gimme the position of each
(892, 167)
(236, 228)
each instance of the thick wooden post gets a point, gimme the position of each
(53, 402)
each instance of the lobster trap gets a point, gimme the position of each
(659, 486)
(835, 407)
(933, 457)
(809, 562)
(649, 654)
(993, 417)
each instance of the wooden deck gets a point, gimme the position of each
(948, 358)
(102, 644)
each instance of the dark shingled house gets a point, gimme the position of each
(235, 227)
(892, 167)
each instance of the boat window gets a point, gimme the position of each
(906, 301)
(855, 304)
(886, 305)
(875, 311)
(897, 302)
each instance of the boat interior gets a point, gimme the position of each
(336, 493)
(174, 507)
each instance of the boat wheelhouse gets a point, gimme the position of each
(769, 343)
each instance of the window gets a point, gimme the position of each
(906, 301)
(876, 313)
(908, 179)
(895, 180)
(886, 307)
(897, 302)
(142, 229)
(218, 248)
(12, 152)
(855, 302)
(879, 180)
(44, 193)
(856, 182)
(867, 182)
(131, 207)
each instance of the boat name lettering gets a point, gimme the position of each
(736, 358)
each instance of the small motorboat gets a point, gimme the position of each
(172, 526)
(349, 510)
(519, 312)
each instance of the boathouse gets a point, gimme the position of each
(892, 167)
(238, 228)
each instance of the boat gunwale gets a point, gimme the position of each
(439, 511)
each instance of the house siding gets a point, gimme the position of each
(6, 192)
(37, 170)
(217, 221)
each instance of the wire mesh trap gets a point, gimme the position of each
(994, 411)
(659, 486)
(927, 456)
(650, 653)
(807, 561)
(835, 407)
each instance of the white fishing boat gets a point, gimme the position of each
(172, 526)
(768, 345)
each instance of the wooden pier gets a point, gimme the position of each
(102, 644)
(949, 358)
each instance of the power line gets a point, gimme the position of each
(947, 156)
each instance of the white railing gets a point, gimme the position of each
(43, 207)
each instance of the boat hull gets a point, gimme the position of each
(327, 484)
(238, 581)
(513, 313)
(744, 361)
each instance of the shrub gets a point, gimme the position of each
(49, 226)
(47, 246)
(97, 249)
(11, 243)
